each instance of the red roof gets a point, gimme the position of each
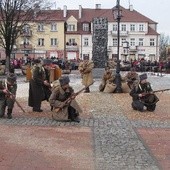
(88, 15)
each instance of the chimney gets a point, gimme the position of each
(98, 6)
(80, 11)
(65, 11)
(131, 7)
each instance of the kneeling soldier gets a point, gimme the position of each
(143, 95)
(7, 95)
(63, 101)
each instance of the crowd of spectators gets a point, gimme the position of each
(141, 65)
(147, 65)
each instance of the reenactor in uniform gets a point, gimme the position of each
(132, 78)
(142, 95)
(7, 95)
(64, 109)
(85, 68)
(107, 78)
(36, 85)
(47, 65)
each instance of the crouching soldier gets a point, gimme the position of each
(63, 101)
(107, 84)
(7, 95)
(143, 95)
(132, 78)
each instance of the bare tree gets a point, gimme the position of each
(164, 42)
(14, 15)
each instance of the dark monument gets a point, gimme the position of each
(100, 39)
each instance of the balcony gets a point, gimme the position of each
(71, 46)
(26, 33)
(122, 33)
(26, 47)
(133, 48)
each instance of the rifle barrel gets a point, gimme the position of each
(162, 90)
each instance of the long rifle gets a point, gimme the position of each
(14, 99)
(71, 98)
(162, 90)
(155, 91)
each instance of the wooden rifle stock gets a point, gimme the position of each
(70, 98)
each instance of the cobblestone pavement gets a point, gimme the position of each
(119, 137)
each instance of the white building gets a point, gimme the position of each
(137, 30)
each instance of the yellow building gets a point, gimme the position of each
(42, 38)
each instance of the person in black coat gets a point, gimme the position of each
(47, 86)
(36, 89)
(142, 95)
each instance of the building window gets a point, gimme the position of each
(140, 41)
(71, 27)
(54, 42)
(132, 42)
(71, 41)
(114, 42)
(41, 42)
(114, 27)
(85, 27)
(53, 27)
(123, 27)
(141, 27)
(25, 42)
(26, 29)
(86, 41)
(41, 27)
(132, 27)
(152, 42)
(123, 40)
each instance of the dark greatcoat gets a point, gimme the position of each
(47, 89)
(148, 100)
(36, 92)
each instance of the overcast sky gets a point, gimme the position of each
(157, 10)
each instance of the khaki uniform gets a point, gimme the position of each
(107, 82)
(85, 69)
(57, 100)
(132, 79)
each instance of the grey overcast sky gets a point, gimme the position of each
(157, 10)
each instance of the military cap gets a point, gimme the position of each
(47, 61)
(11, 78)
(36, 61)
(64, 80)
(143, 76)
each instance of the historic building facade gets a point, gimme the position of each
(68, 34)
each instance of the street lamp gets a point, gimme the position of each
(117, 17)
(125, 49)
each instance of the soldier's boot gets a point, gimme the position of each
(9, 114)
